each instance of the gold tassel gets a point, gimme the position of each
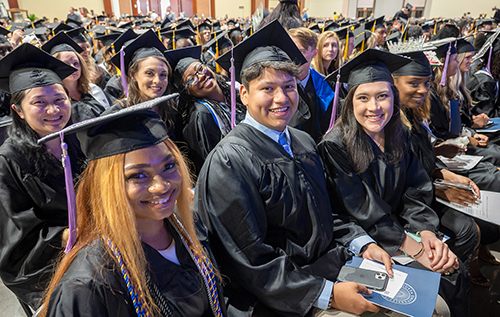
(198, 35)
(173, 39)
(159, 34)
(217, 69)
(346, 45)
(93, 42)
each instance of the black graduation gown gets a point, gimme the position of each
(93, 285)
(384, 200)
(33, 215)
(270, 224)
(201, 132)
(483, 91)
(114, 87)
(85, 108)
(440, 124)
(387, 199)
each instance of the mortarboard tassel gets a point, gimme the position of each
(217, 67)
(173, 39)
(363, 46)
(251, 30)
(346, 45)
(122, 71)
(435, 26)
(198, 35)
(159, 34)
(445, 67)
(335, 101)
(233, 92)
(113, 48)
(70, 194)
(488, 69)
(93, 42)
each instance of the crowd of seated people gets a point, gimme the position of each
(232, 167)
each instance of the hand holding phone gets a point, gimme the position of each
(371, 279)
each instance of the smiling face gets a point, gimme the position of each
(46, 109)
(271, 99)
(71, 59)
(200, 80)
(373, 106)
(152, 182)
(86, 50)
(151, 78)
(412, 90)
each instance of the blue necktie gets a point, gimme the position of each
(282, 141)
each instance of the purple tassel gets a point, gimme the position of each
(233, 92)
(122, 70)
(70, 194)
(489, 60)
(335, 100)
(445, 68)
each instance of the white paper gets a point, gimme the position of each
(394, 284)
(460, 163)
(486, 210)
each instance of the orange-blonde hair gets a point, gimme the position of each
(104, 209)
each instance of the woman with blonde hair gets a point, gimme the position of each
(327, 60)
(136, 252)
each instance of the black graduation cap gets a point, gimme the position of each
(342, 33)
(370, 66)
(315, 28)
(126, 130)
(393, 38)
(491, 41)
(486, 22)
(408, 6)
(377, 23)
(108, 39)
(443, 45)
(185, 23)
(28, 67)
(77, 35)
(419, 65)
(39, 23)
(127, 25)
(204, 26)
(52, 25)
(427, 26)
(331, 27)
(40, 33)
(180, 60)
(216, 26)
(73, 23)
(17, 26)
(231, 22)
(233, 30)
(181, 33)
(291, 1)
(464, 46)
(220, 40)
(448, 30)
(4, 31)
(62, 27)
(101, 18)
(145, 45)
(61, 43)
(126, 36)
(270, 43)
(249, 31)
(146, 25)
(359, 35)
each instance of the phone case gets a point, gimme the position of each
(371, 279)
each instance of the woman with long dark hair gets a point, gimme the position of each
(33, 208)
(288, 14)
(379, 179)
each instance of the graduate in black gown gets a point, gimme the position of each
(204, 104)
(33, 208)
(377, 180)
(270, 224)
(84, 105)
(137, 251)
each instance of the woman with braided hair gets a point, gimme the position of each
(137, 251)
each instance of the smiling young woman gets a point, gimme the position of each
(33, 209)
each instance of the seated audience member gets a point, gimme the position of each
(329, 56)
(137, 252)
(33, 208)
(312, 88)
(374, 178)
(272, 229)
(204, 105)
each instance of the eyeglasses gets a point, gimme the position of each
(192, 80)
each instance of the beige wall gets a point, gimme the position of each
(450, 8)
(58, 8)
(232, 8)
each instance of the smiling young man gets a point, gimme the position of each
(262, 193)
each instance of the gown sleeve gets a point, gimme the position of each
(353, 196)
(482, 91)
(440, 121)
(29, 241)
(241, 221)
(201, 133)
